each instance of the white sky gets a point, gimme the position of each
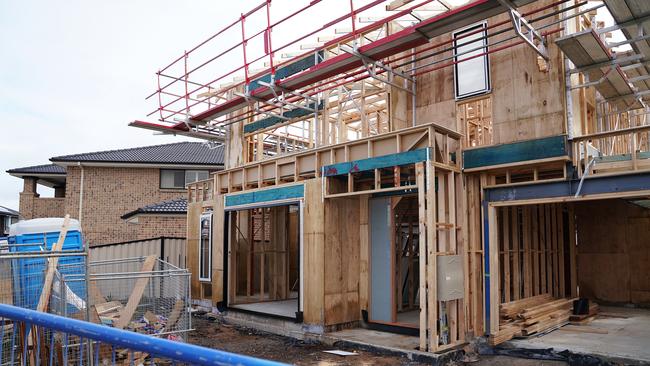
(74, 73)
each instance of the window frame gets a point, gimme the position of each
(486, 60)
(208, 216)
(184, 187)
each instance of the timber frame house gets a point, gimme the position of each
(413, 176)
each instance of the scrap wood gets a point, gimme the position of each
(175, 314)
(138, 290)
(108, 307)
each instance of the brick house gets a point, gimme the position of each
(120, 195)
(7, 217)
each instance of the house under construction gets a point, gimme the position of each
(439, 169)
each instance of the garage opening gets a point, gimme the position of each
(264, 265)
(552, 254)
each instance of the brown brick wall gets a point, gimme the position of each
(49, 207)
(109, 193)
(153, 226)
(33, 207)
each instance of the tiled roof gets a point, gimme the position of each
(182, 153)
(177, 206)
(8, 212)
(38, 169)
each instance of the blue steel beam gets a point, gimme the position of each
(378, 162)
(180, 352)
(591, 186)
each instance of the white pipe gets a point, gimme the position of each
(81, 192)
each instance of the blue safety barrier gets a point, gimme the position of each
(178, 353)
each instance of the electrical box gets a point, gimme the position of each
(450, 277)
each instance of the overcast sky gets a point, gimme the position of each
(73, 73)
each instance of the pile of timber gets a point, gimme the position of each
(531, 315)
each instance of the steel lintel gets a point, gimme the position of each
(624, 184)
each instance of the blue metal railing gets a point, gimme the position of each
(16, 320)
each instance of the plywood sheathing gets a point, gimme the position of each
(613, 252)
(527, 103)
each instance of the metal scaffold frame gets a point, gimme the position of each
(360, 53)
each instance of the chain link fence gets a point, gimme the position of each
(144, 294)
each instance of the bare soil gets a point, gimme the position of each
(214, 334)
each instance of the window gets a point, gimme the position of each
(192, 176)
(205, 247)
(179, 179)
(471, 76)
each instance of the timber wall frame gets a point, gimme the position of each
(309, 164)
(549, 196)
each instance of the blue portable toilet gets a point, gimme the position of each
(29, 273)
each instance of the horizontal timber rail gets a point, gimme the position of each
(59, 340)
(612, 152)
(309, 164)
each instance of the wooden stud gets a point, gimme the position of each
(432, 253)
(422, 263)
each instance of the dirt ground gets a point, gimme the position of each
(229, 338)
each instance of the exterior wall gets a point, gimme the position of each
(613, 252)
(151, 226)
(526, 103)
(171, 250)
(109, 193)
(33, 207)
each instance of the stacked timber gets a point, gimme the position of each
(531, 315)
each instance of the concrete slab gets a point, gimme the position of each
(285, 308)
(377, 338)
(627, 337)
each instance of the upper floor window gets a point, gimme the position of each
(179, 179)
(472, 74)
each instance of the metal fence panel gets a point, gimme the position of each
(171, 250)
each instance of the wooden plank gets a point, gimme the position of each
(542, 249)
(451, 214)
(217, 252)
(516, 274)
(572, 251)
(554, 250)
(422, 262)
(364, 252)
(314, 236)
(505, 214)
(53, 262)
(528, 272)
(494, 270)
(136, 294)
(561, 248)
(432, 253)
(535, 223)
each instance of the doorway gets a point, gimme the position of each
(264, 265)
(394, 257)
